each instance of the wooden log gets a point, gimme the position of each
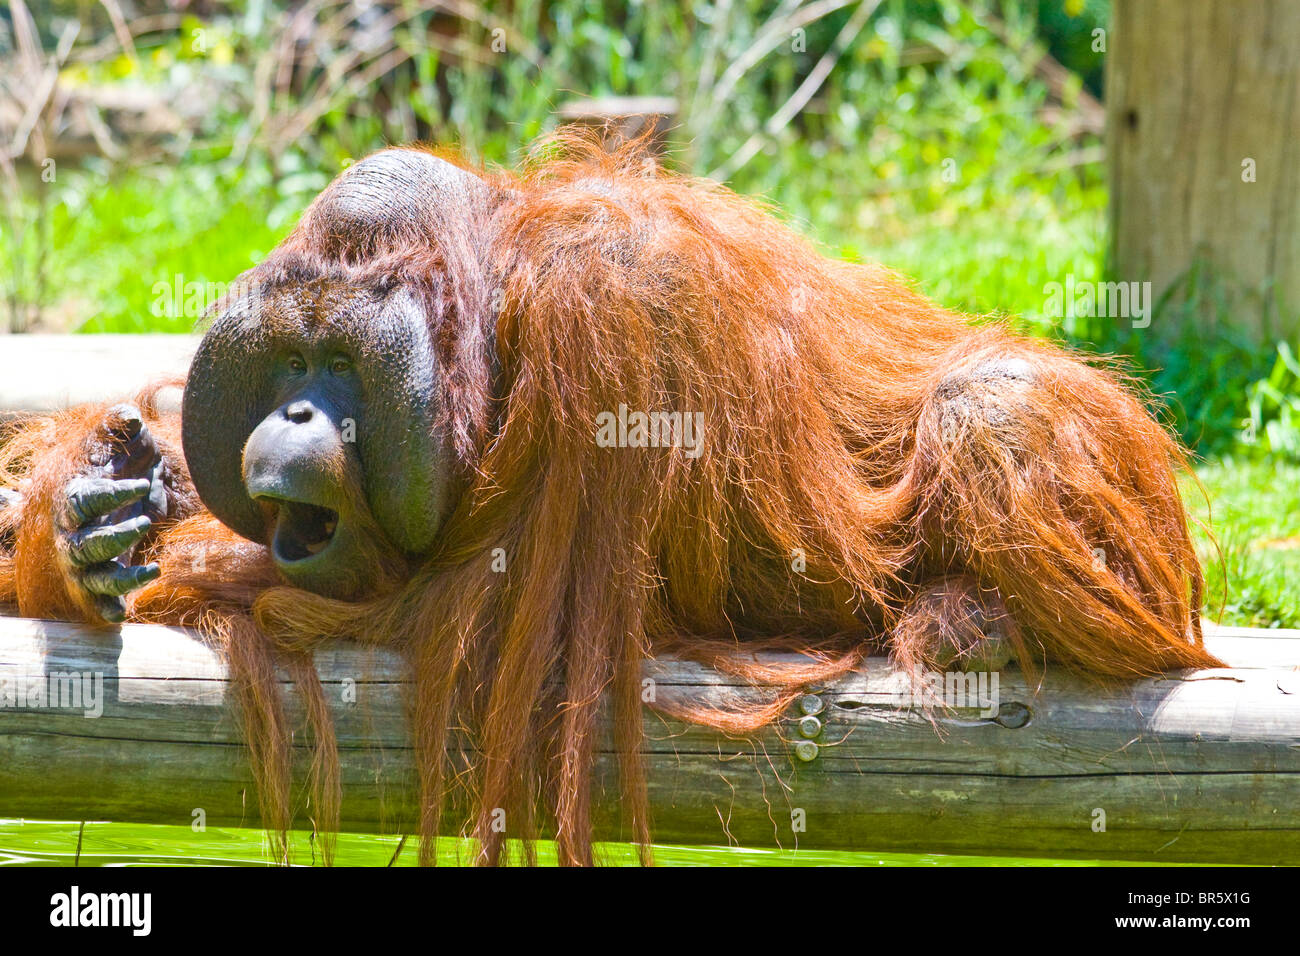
(45, 373)
(1203, 766)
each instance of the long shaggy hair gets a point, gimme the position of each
(875, 473)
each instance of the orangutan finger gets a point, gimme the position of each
(157, 503)
(114, 580)
(136, 456)
(111, 609)
(92, 498)
(122, 423)
(116, 432)
(100, 544)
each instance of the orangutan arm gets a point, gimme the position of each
(89, 495)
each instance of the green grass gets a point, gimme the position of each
(114, 239)
(1254, 508)
(927, 148)
(49, 843)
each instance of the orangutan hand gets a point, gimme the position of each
(109, 508)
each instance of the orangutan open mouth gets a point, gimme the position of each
(302, 530)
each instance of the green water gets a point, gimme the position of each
(51, 843)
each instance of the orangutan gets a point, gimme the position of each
(393, 433)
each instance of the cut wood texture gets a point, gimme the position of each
(1203, 131)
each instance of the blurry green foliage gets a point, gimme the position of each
(926, 148)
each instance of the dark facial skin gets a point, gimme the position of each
(297, 465)
(310, 426)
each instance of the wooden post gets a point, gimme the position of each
(1203, 132)
(1201, 766)
(625, 117)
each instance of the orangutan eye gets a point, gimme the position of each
(340, 365)
(297, 364)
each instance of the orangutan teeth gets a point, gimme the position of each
(316, 547)
(329, 528)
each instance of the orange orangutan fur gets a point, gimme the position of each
(923, 473)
